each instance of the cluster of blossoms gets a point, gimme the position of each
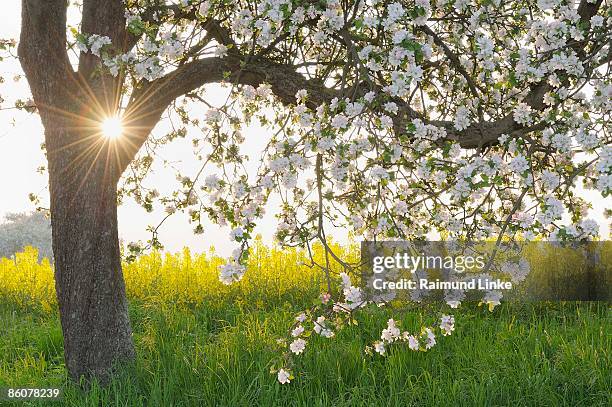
(322, 320)
(94, 43)
(342, 314)
(604, 171)
(587, 229)
(492, 299)
(422, 341)
(231, 272)
(353, 296)
(523, 114)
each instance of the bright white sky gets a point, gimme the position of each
(20, 155)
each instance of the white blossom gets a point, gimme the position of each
(284, 376)
(391, 333)
(461, 119)
(221, 51)
(447, 324)
(297, 331)
(523, 114)
(297, 346)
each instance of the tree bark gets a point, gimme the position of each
(88, 275)
(83, 174)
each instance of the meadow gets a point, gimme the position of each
(202, 343)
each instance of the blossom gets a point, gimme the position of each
(325, 144)
(400, 207)
(213, 182)
(354, 109)
(522, 114)
(379, 347)
(339, 121)
(524, 219)
(519, 164)
(604, 182)
(379, 173)
(460, 5)
(96, 42)
(447, 324)
(453, 303)
(597, 21)
(492, 298)
(231, 272)
(113, 66)
(301, 95)
(391, 107)
(297, 331)
(221, 51)
(553, 210)
(390, 333)
(82, 45)
(395, 11)
(589, 227)
(461, 118)
(485, 47)
(284, 376)
(547, 4)
(279, 164)
(353, 297)
(321, 328)
(399, 36)
(413, 342)
(517, 271)
(204, 8)
(430, 338)
(297, 346)
(237, 233)
(550, 180)
(454, 297)
(171, 47)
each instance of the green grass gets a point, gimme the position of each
(220, 354)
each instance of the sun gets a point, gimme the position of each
(112, 127)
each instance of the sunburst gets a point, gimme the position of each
(112, 127)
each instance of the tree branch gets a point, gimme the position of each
(487, 133)
(214, 27)
(42, 51)
(454, 60)
(149, 102)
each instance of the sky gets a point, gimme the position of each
(21, 135)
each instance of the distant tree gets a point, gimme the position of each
(26, 229)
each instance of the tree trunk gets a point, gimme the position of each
(88, 276)
(84, 169)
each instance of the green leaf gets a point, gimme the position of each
(512, 79)
(136, 27)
